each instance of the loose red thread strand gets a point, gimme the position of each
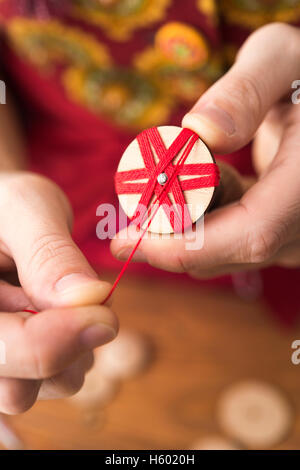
(208, 176)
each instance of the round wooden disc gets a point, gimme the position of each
(197, 200)
(255, 413)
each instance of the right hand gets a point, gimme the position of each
(48, 354)
(262, 228)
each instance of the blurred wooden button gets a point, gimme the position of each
(9, 439)
(124, 357)
(98, 390)
(255, 413)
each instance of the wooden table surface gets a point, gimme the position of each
(203, 341)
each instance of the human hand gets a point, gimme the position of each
(48, 354)
(263, 227)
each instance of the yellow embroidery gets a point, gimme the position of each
(179, 68)
(255, 13)
(181, 63)
(182, 45)
(119, 18)
(209, 8)
(88, 73)
(126, 97)
(48, 43)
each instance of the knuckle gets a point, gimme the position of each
(187, 264)
(253, 94)
(50, 248)
(173, 262)
(246, 94)
(22, 184)
(43, 366)
(259, 247)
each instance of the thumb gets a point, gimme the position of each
(34, 231)
(229, 113)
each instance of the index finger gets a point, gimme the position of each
(41, 346)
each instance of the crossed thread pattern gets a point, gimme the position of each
(207, 175)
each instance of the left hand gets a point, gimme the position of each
(263, 227)
(46, 355)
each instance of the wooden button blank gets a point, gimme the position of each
(255, 413)
(197, 199)
(214, 443)
(97, 391)
(9, 439)
(124, 357)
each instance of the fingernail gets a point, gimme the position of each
(81, 289)
(124, 254)
(97, 335)
(211, 115)
(73, 279)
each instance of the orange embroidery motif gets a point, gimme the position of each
(88, 74)
(122, 95)
(181, 62)
(210, 9)
(47, 43)
(182, 45)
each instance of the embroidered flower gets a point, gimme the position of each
(48, 43)
(181, 62)
(121, 95)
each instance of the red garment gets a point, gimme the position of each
(80, 150)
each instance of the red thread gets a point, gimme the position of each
(208, 176)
